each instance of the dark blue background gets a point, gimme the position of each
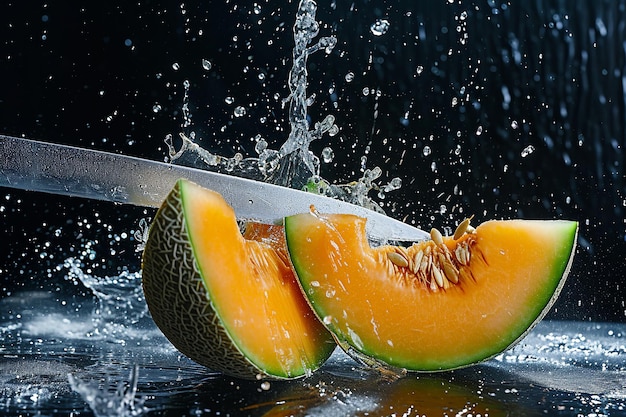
(90, 74)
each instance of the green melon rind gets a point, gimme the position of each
(177, 297)
(560, 270)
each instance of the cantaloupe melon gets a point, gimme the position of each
(440, 304)
(227, 301)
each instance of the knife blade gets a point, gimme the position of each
(72, 171)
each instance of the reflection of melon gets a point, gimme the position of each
(228, 302)
(426, 395)
(440, 304)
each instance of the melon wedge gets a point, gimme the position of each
(227, 301)
(440, 304)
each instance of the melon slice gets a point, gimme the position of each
(227, 301)
(440, 304)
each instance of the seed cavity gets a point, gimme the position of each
(437, 265)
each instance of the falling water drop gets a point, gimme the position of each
(206, 64)
(240, 111)
(328, 154)
(261, 145)
(379, 27)
(527, 151)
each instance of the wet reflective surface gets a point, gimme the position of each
(56, 362)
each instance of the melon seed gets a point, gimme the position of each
(438, 275)
(436, 236)
(450, 272)
(425, 260)
(462, 228)
(459, 253)
(397, 259)
(466, 252)
(417, 260)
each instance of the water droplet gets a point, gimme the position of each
(479, 130)
(257, 8)
(527, 151)
(427, 151)
(394, 184)
(175, 66)
(327, 154)
(328, 319)
(229, 100)
(265, 386)
(419, 70)
(260, 146)
(156, 108)
(349, 77)
(379, 27)
(240, 111)
(514, 124)
(366, 91)
(206, 64)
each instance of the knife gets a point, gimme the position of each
(67, 170)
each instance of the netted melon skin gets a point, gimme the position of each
(178, 299)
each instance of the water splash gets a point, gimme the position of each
(111, 398)
(119, 302)
(293, 165)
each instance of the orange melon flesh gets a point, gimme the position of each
(382, 312)
(247, 284)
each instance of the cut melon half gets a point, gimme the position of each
(228, 301)
(440, 304)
